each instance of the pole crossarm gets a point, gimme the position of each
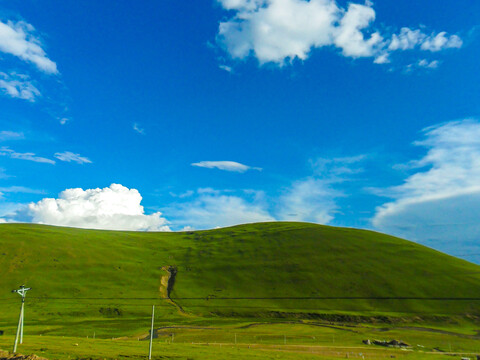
(22, 291)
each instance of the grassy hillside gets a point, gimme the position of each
(91, 276)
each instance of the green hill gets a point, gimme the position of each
(262, 271)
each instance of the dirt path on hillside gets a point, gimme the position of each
(167, 281)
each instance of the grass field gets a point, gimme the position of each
(262, 341)
(305, 288)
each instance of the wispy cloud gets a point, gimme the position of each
(18, 86)
(338, 166)
(313, 199)
(225, 165)
(20, 189)
(440, 201)
(279, 31)
(215, 209)
(11, 135)
(3, 174)
(20, 42)
(226, 68)
(138, 129)
(6, 151)
(72, 157)
(19, 39)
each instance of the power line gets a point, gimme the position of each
(207, 298)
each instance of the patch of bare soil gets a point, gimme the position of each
(5, 355)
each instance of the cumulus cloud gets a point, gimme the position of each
(18, 86)
(6, 151)
(349, 36)
(441, 41)
(69, 156)
(279, 29)
(409, 39)
(113, 208)
(19, 39)
(225, 165)
(440, 202)
(282, 30)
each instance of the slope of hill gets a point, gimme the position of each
(263, 270)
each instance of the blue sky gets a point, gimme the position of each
(176, 115)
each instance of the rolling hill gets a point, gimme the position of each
(266, 270)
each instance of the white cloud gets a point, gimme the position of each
(440, 41)
(276, 30)
(311, 200)
(226, 68)
(8, 210)
(11, 135)
(18, 86)
(211, 210)
(138, 129)
(281, 30)
(183, 195)
(428, 64)
(113, 208)
(409, 39)
(338, 167)
(314, 199)
(3, 174)
(19, 39)
(225, 165)
(349, 36)
(383, 58)
(241, 4)
(6, 151)
(440, 202)
(187, 228)
(69, 156)
(20, 189)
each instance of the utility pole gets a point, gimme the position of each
(151, 334)
(22, 292)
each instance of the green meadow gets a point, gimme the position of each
(269, 290)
